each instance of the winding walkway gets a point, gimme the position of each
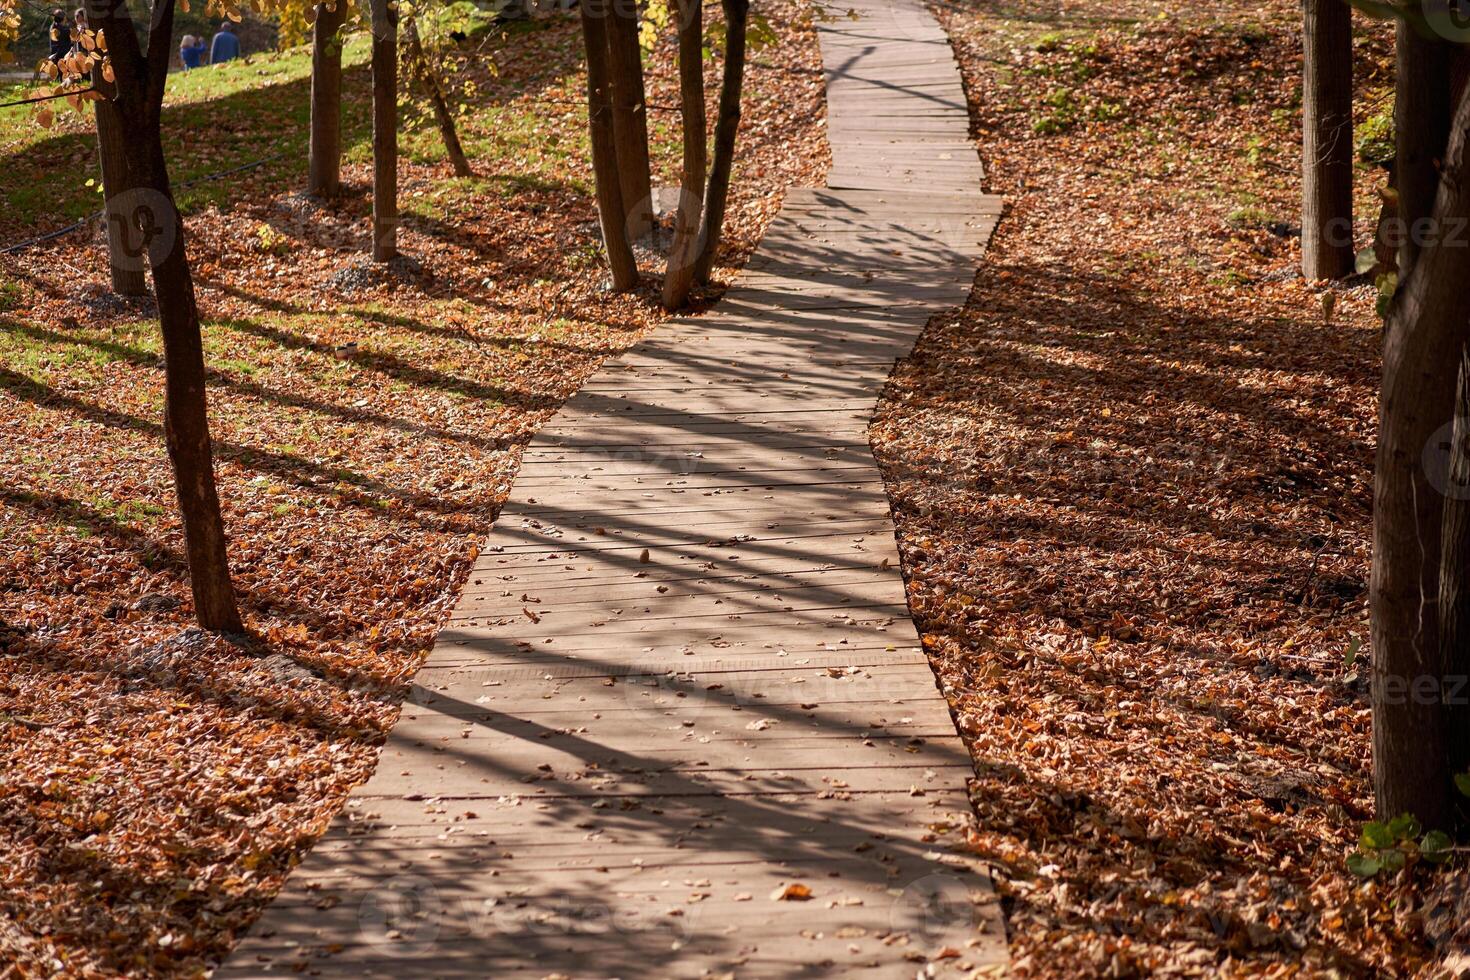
(680, 724)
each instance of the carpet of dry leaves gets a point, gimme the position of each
(1132, 481)
(156, 783)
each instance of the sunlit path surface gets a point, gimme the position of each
(680, 723)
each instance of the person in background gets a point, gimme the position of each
(191, 51)
(79, 25)
(60, 36)
(226, 46)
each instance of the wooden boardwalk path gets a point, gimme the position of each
(682, 678)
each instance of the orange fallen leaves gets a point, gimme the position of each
(160, 782)
(1147, 458)
(793, 892)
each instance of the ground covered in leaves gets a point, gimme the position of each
(156, 784)
(1133, 488)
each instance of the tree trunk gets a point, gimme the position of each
(429, 79)
(1423, 108)
(151, 214)
(324, 171)
(1327, 140)
(630, 116)
(1454, 588)
(1428, 327)
(126, 267)
(185, 414)
(726, 128)
(684, 252)
(610, 208)
(385, 130)
(140, 85)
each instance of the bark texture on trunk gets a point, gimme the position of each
(684, 252)
(629, 116)
(1327, 140)
(610, 208)
(385, 130)
(429, 79)
(125, 264)
(324, 167)
(727, 126)
(140, 85)
(1454, 589)
(1429, 326)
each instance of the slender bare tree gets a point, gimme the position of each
(385, 129)
(629, 115)
(150, 213)
(611, 210)
(737, 14)
(684, 252)
(126, 269)
(324, 167)
(423, 70)
(1327, 139)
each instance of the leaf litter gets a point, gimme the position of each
(1132, 481)
(159, 782)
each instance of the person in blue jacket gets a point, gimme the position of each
(191, 51)
(226, 46)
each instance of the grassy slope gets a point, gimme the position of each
(214, 119)
(220, 118)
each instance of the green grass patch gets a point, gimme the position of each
(216, 119)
